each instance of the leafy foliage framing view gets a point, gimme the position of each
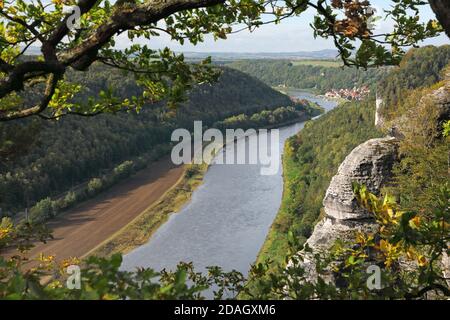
(414, 231)
(67, 43)
(409, 231)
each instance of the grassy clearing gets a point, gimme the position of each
(139, 231)
(319, 63)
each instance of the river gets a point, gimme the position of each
(227, 219)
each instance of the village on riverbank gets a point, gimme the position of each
(355, 94)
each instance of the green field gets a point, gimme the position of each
(320, 63)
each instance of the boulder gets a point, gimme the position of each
(368, 164)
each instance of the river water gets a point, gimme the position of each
(227, 219)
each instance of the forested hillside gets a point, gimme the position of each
(312, 157)
(420, 67)
(58, 155)
(315, 77)
(410, 213)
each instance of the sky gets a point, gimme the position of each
(291, 35)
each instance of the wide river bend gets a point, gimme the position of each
(227, 219)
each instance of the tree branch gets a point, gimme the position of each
(83, 55)
(441, 9)
(16, 77)
(126, 18)
(24, 24)
(431, 287)
(62, 30)
(49, 91)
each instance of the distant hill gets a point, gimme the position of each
(298, 55)
(226, 56)
(308, 76)
(420, 67)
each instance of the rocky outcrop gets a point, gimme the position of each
(446, 266)
(368, 164)
(415, 121)
(441, 98)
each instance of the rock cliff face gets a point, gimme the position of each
(435, 104)
(370, 164)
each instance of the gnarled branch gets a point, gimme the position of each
(441, 9)
(84, 54)
(48, 94)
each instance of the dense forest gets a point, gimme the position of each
(319, 78)
(59, 155)
(420, 67)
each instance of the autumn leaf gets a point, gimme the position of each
(422, 261)
(414, 223)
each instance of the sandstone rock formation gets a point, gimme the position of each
(370, 164)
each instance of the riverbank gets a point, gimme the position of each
(139, 231)
(227, 219)
(142, 228)
(125, 215)
(285, 90)
(315, 92)
(80, 229)
(276, 245)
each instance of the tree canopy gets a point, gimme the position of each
(76, 38)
